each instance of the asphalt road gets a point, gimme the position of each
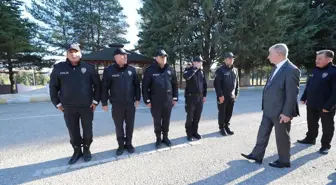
(35, 148)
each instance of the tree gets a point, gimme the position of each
(92, 23)
(16, 34)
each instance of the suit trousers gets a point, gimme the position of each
(123, 113)
(225, 111)
(282, 137)
(327, 119)
(161, 116)
(193, 108)
(72, 115)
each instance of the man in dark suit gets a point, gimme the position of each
(279, 105)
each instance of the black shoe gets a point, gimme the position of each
(250, 157)
(189, 138)
(76, 155)
(227, 129)
(222, 131)
(278, 164)
(307, 141)
(324, 150)
(86, 153)
(197, 136)
(120, 150)
(166, 141)
(158, 143)
(130, 148)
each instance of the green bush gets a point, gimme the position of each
(4, 80)
(28, 79)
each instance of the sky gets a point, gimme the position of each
(130, 10)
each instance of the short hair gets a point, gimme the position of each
(328, 53)
(281, 48)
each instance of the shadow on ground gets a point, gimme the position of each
(240, 168)
(29, 173)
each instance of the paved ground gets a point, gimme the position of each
(34, 149)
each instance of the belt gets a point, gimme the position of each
(195, 94)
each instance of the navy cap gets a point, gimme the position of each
(198, 59)
(228, 55)
(120, 51)
(161, 52)
(74, 46)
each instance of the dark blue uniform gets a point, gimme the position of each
(122, 87)
(76, 88)
(195, 91)
(319, 94)
(226, 84)
(159, 87)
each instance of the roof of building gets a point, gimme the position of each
(106, 54)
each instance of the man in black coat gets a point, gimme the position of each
(226, 84)
(121, 86)
(195, 96)
(320, 98)
(160, 94)
(75, 90)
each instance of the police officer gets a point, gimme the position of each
(320, 98)
(121, 86)
(160, 94)
(226, 84)
(195, 95)
(75, 90)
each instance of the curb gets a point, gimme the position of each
(20, 98)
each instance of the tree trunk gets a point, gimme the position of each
(11, 75)
(181, 72)
(246, 78)
(261, 77)
(206, 69)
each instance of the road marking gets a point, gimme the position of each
(65, 168)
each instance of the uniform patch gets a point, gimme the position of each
(83, 69)
(324, 75)
(115, 75)
(185, 71)
(129, 73)
(169, 72)
(64, 73)
(156, 74)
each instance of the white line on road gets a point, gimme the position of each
(60, 169)
(55, 115)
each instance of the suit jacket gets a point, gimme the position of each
(280, 96)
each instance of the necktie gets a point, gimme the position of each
(270, 77)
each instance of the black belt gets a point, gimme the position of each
(195, 94)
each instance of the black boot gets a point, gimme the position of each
(86, 153)
(197, 135)
(195, 132)
(222, 131)
(121, 147)
(189, 134)
(158, 140)
(130, 148)
(307, 141)
(227, 129)
(166, 140)
(76, 155)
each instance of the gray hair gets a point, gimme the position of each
(281, 48)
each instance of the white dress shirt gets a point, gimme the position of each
(279, 65)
